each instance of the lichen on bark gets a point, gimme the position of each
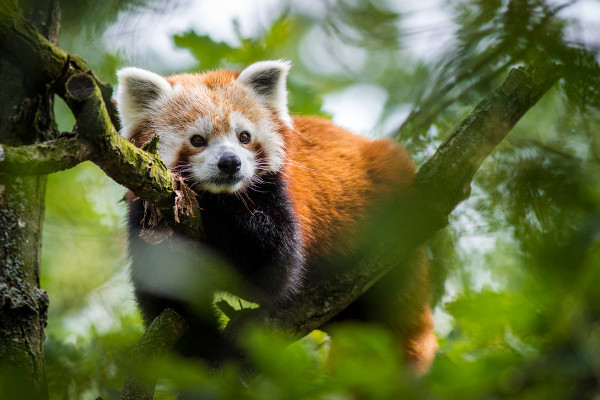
(25, 118)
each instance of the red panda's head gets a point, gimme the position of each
(220, 129)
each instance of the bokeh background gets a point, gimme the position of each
(518, 267)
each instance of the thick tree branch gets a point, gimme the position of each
(42, 60)
(158, 339)
(121, 160)
(448, 174)
(142, 172)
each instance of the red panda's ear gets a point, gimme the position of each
(138, 91)
(266, 80)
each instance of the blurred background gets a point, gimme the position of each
(518, 267)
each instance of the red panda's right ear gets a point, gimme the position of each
(138, 91)
(267, 81)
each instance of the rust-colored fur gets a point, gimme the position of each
(334, 174)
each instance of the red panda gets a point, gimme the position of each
(280, 195)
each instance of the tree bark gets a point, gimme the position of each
(26, 117)
(158, 340)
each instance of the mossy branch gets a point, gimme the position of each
(45, 158)
(45, 63)
(142, 172)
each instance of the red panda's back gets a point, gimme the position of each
(334, 174)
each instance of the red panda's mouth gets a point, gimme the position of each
(224, 179)
(223, 184)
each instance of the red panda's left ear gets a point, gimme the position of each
(267, 81)
(138, 93)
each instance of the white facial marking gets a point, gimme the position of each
(172, 141)
(205, 165)
(269, 139)
(239, 123)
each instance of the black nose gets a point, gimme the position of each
(230, 163)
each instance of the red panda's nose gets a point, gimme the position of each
(230, 163)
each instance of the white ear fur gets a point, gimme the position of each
(267, 79)
(137, 92)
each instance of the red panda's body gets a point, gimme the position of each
(334, 175)
(281, 196)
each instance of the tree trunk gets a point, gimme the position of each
(26, 117)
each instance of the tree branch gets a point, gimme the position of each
(159, 338)
(42, 159)
(45, 63)
(142, 172)
(448, 174)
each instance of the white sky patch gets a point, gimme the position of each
(426, 25)
(311, 8)
(145, 36)
(356, 108)
(104, 307)
(443, 322)
(586, 18)
(475, 242)
(396, 118)
(324, 54)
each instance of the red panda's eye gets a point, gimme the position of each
(197, 141)
(244, 137)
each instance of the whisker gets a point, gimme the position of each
(195, 183)
(255, 183)
(245, 193)
(184, 165)
(297, 164)
(288, 176)
(240, 197)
